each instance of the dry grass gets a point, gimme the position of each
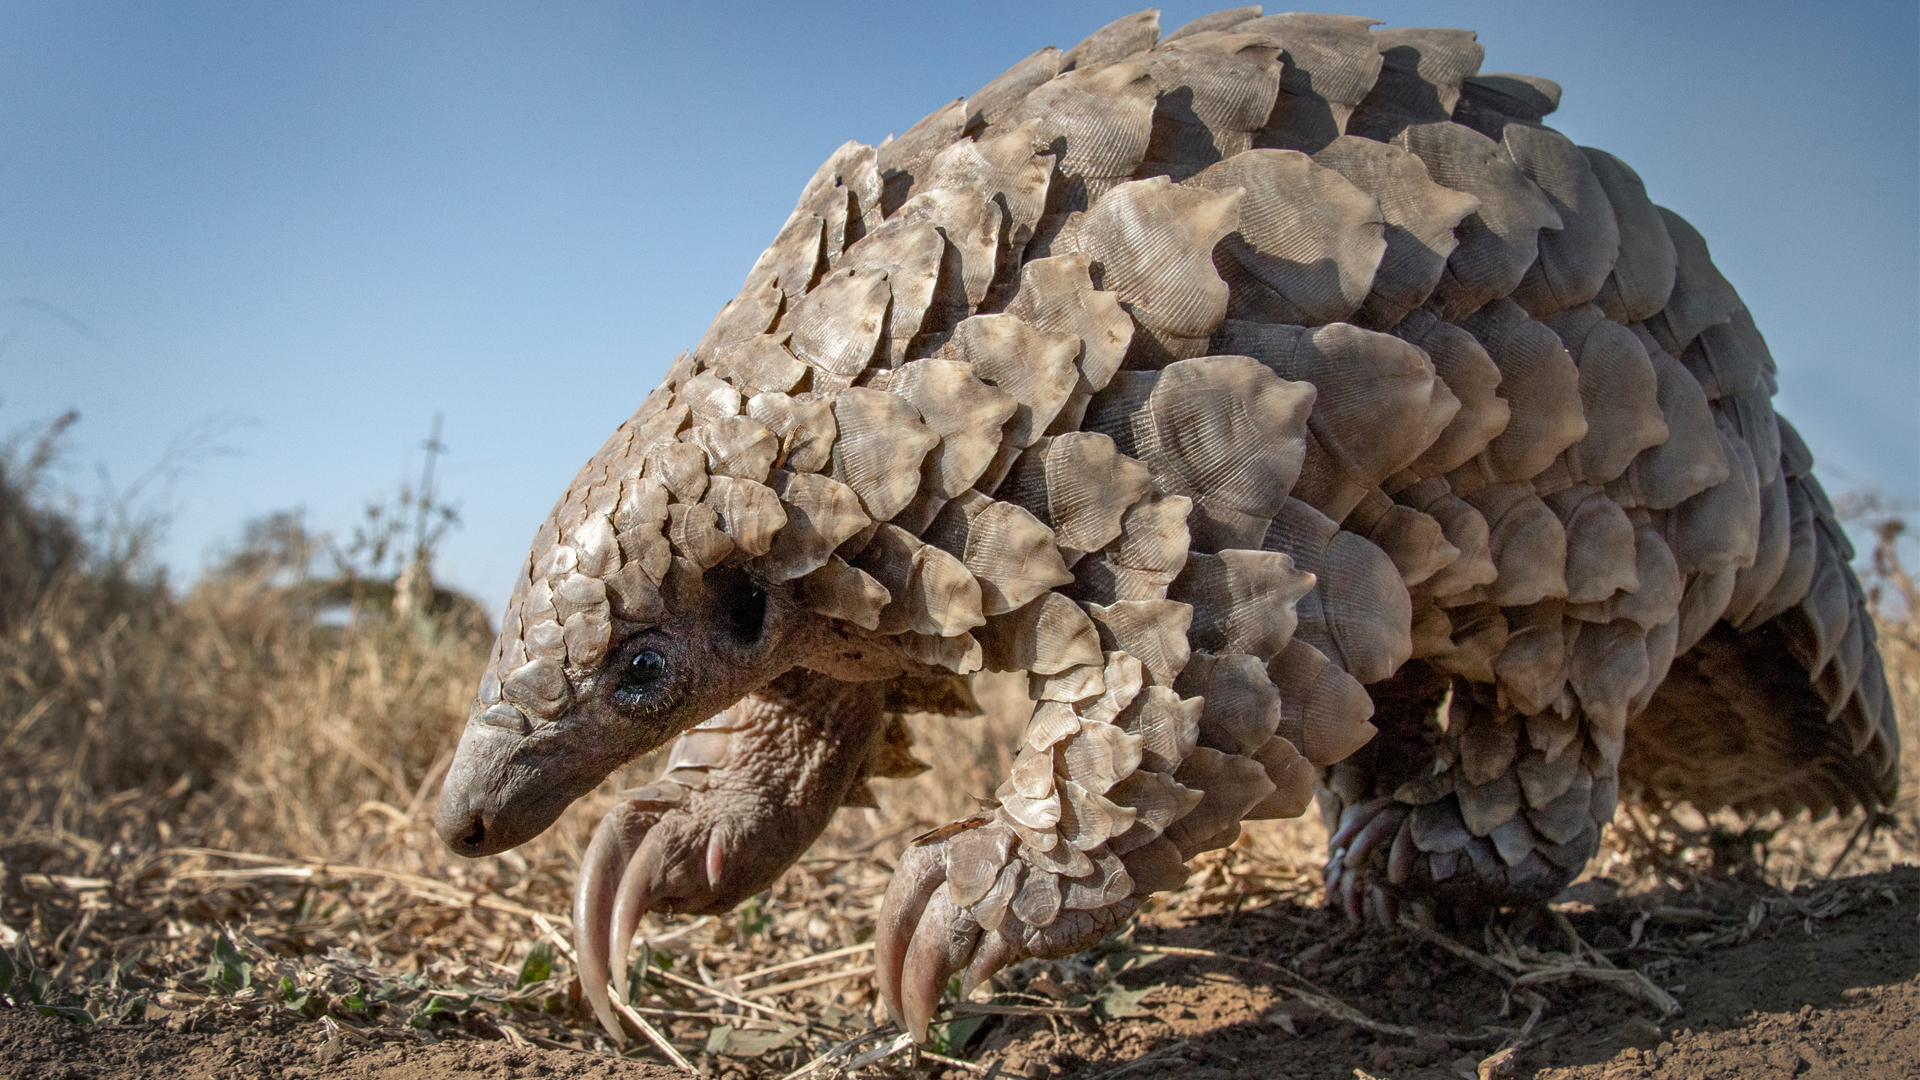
(295, 723)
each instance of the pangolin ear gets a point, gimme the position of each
(740, 600)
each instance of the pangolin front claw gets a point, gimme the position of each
(922, 871)
(744, 794)
(619, 835)
(964, 902)
(650, 853)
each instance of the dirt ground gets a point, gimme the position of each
(1833, 996)
(1824, 982)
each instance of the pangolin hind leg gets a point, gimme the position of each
(1461, 806)
(742, 797)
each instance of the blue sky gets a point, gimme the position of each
(310, 227)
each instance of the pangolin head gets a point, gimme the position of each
(660, 590)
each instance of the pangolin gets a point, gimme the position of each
(1295, 408)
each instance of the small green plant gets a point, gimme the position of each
(537, 968)
(124, 976)
(301, 999)
(952, 1037)
(229, 971)
(754, 919)
(1115, 1001)
(24, 984)
(438, 1005)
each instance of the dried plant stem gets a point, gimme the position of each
(722, 995)
(653, 1035)
(1441, 941)
(958, 1064)
(812, 980)
(316, 869)
(805, 961)
(977, 1008)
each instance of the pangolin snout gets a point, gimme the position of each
(465, 828)
(503, 789)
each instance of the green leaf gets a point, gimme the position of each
(718, 1038)
(132, 1011)
(295, 996)
(123, 973)
(435, 1006)
(66, 1012)
(954, 1036)
(228, 970)
(38, 981)
(537, 967)
(1116, 1001)
(753, 919)
(645, 974)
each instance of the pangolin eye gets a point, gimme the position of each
(645, 669)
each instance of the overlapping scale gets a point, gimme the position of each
(1619, 395)
(1308, 241)
(1123, 37)
(1500, 240)
(1358, 612)
(1102, 118)
(1223, 431)
(1056, 295)
(1078, 485)
(877, 449)
(1154, 242)
(1329, 63)
(1377, 406)
(1216, 90)
(1420, 218)
(1422, 69)
(966, 413)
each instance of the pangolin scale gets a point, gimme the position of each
(1297, 409)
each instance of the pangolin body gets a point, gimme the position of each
(1295, 408)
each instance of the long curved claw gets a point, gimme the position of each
(942, 944)
(593, 904)
(995, 952)
(922, 870)
(1365, 829)
(634, 896)
(646, 855)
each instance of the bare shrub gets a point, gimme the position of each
(268, 706)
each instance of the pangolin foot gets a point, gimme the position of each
(1387, 858)
(966, 901)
